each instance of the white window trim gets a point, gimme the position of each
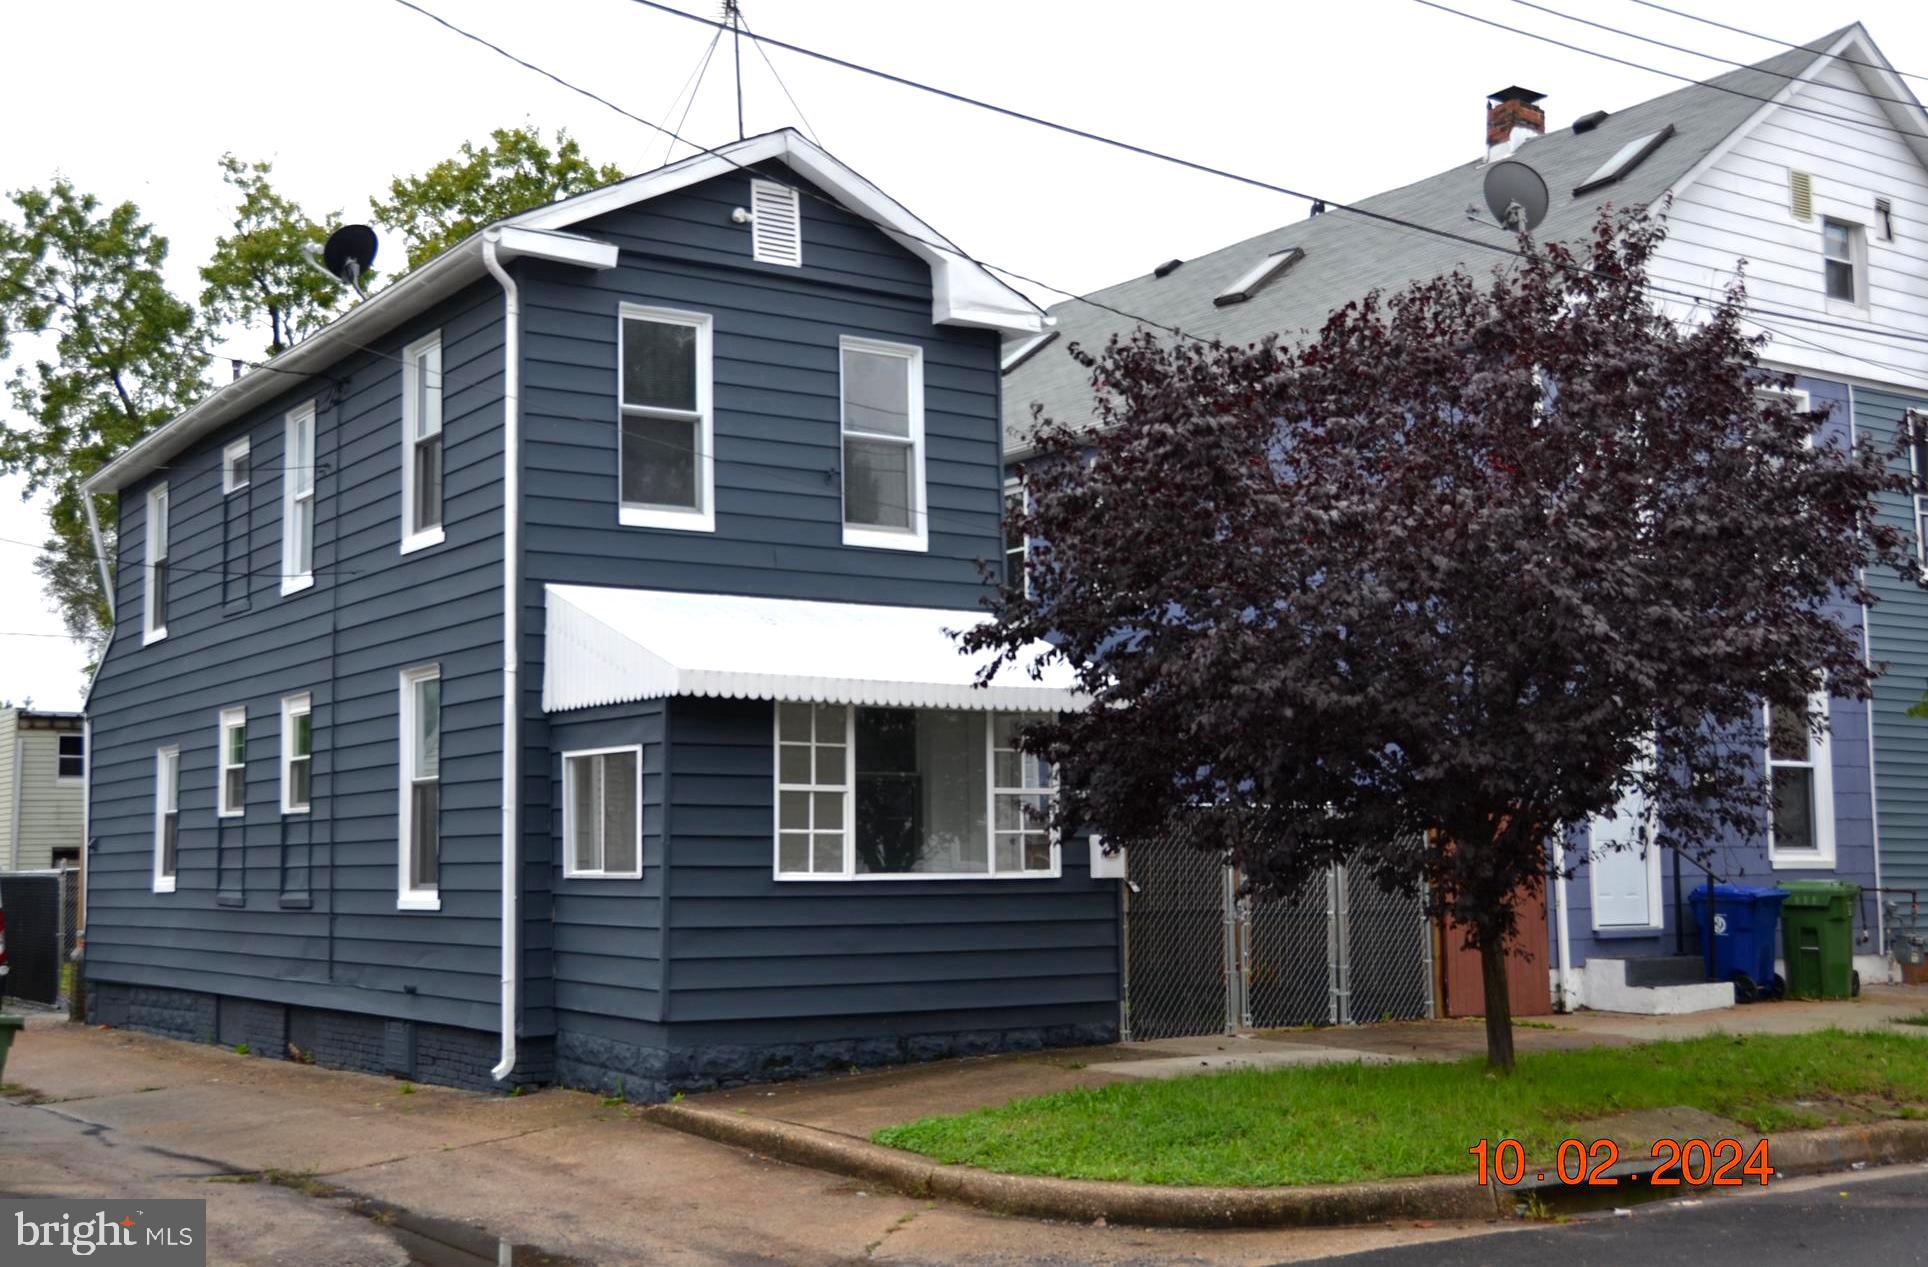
(569, 869)
(230, 718)
(1857, 260)
(162, 758)
(1821, 760)
(849, 872)
(703, 517)
(155, 550)
(242, 448)
(70, 778)
(411, 370)
(292, 490)
(917, 536)
(408, 896)
(1911, 420)
(293, 706)
(1016, 486)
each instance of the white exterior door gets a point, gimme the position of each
(1623, 872)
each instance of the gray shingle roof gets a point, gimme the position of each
(1346, 255)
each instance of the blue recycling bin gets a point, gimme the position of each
(1744, 922)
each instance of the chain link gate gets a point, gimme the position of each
(1200, 960)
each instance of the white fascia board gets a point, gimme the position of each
(521, 242)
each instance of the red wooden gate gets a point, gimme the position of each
(1461, 990)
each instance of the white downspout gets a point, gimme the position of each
(1562, 947)
(511, 650)
(100, 553)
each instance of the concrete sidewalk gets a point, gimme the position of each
(129, 1115)
(858, 1104)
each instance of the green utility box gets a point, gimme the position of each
(1817, 938)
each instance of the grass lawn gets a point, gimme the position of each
(1343, 1123)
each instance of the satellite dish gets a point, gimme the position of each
(350, 253)
(1516, 195)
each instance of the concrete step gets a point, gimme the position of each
(1653, 987)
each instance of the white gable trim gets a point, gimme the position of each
(963, 292)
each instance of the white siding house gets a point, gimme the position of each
(42, 781)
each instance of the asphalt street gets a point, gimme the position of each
(1875, 1218)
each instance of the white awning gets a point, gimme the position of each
(610, 646)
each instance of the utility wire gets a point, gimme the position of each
(777, 75)
(1846, 120)
(1769, 39)
(174, 568)
(1712, 57)
(695, 80)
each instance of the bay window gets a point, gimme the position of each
(872, 793)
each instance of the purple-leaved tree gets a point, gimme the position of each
(1444, 571)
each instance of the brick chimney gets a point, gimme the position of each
(1513, 117)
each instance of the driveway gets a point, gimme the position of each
(125, 1114)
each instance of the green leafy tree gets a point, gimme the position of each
(109, 354)
(517, 170)
(257, 275)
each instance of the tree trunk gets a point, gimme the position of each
(1499, 1003)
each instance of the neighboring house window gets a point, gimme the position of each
(874, 793)
(236, 466)
(167, 817)
(668, 470)
(883, 445)
(72, 757)
(233, 771)
(1801, 823)
(1842, 250)
(601, 815)
(298, 502)
(421, 788)
(155, 610)
(297, 753)
(1917, 425)
(422, 444)
(1017, 546)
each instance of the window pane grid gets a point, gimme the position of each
(1794, 756)
(663, 408)
(813, 756)
(421, 733)
(233, 762)
(881, 419)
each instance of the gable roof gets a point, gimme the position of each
(963, 292)
(1346, 256)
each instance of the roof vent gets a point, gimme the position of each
(1624, 160)
(1259, 276)
(1167, 268)
(1800, 189)
(1588, 122)
(776, 236)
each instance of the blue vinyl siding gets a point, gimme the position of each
(301, 909)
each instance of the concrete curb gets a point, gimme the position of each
(1082, 1200)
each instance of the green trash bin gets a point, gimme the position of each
(1817, 938)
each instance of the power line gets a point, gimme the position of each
(174, 568)
(1331, 204)
(1653, 70)
(695, 80)
(1694, 52)
(1769, 39)
(777, 75)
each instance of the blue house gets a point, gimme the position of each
(1809, 170)
(542, 673)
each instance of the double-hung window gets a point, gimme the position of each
(422, 444)
(878, 793)
(232, 770)
(298, 501)
(420, 864)
(297, 753)
(1801, 820)
(1917, 424)
(167, 817)
(667, 431)
(71, 757)
(601, 812)
(1017, 546)
(882, 398)
(1843, 251)
(154, 611)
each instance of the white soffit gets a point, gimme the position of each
(611, 646)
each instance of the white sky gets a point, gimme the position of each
(134, 100)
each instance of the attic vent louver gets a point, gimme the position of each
(1258, 276)
(1624, 160)
(776, 233)
(1800, 188)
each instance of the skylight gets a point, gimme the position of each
(1258, 276)
(1625, 159)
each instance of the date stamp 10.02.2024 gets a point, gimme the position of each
(1692, 1163)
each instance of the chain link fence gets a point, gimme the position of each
(1201, 960)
